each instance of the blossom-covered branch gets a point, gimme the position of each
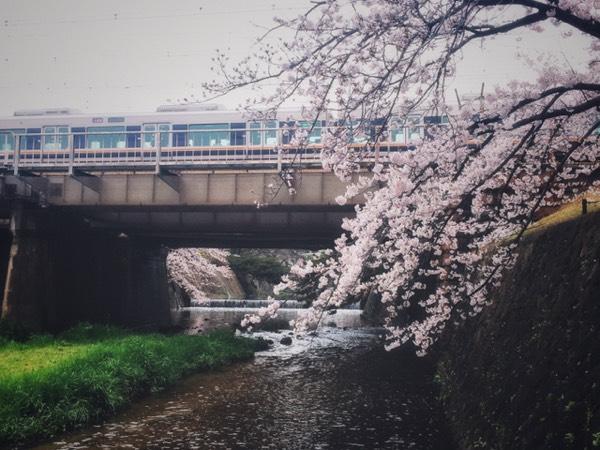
(441, 222)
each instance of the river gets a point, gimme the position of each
(337, 389)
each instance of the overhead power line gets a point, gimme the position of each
(116, 17)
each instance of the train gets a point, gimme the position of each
(179, 134)
(178, 125)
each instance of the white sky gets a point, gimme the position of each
(133, 55)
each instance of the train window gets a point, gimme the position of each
(209, 135)
(287, 131)
(7, 140)
(134, 137)
(397, 130)
(49, 138)
(149, 135)
(78, 137)
(165, 134)
(255, 133)
(357, 130)
(415, 130)
(397, 134)
(432, 120)
(314, 136)
(376, 129)
(265, 134)
(238, 137)
(179, 135)
(55, 138)
(32, 140)
(107, 137)
(8, 137)
(270, 132)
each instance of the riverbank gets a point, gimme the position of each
(52, 384)
(337, 389)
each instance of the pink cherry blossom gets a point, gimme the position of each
(441, 222)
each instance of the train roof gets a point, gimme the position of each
(172, 114)
(167, 113)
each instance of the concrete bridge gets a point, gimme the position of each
(82, 245)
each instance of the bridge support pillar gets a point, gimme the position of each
(61, 272)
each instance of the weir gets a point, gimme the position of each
(251, 303)
(243, 303)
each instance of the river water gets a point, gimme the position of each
(337, 389)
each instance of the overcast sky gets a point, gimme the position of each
(120, 56)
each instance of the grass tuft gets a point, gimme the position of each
(52, 384)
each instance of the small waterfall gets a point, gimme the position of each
(241, 303)
(244, 303)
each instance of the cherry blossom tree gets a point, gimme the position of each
(442, 222)
(197, 270)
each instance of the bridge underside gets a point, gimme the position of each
(92, 247)
(274, 226)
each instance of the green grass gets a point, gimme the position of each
(52, 384)
(261, 267)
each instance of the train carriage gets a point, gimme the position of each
(176, 134)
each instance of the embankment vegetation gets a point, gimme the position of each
(49, 384)
(257, 271)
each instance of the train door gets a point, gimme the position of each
(149, 134)
(55, 137)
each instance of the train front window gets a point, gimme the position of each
(209, 135)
